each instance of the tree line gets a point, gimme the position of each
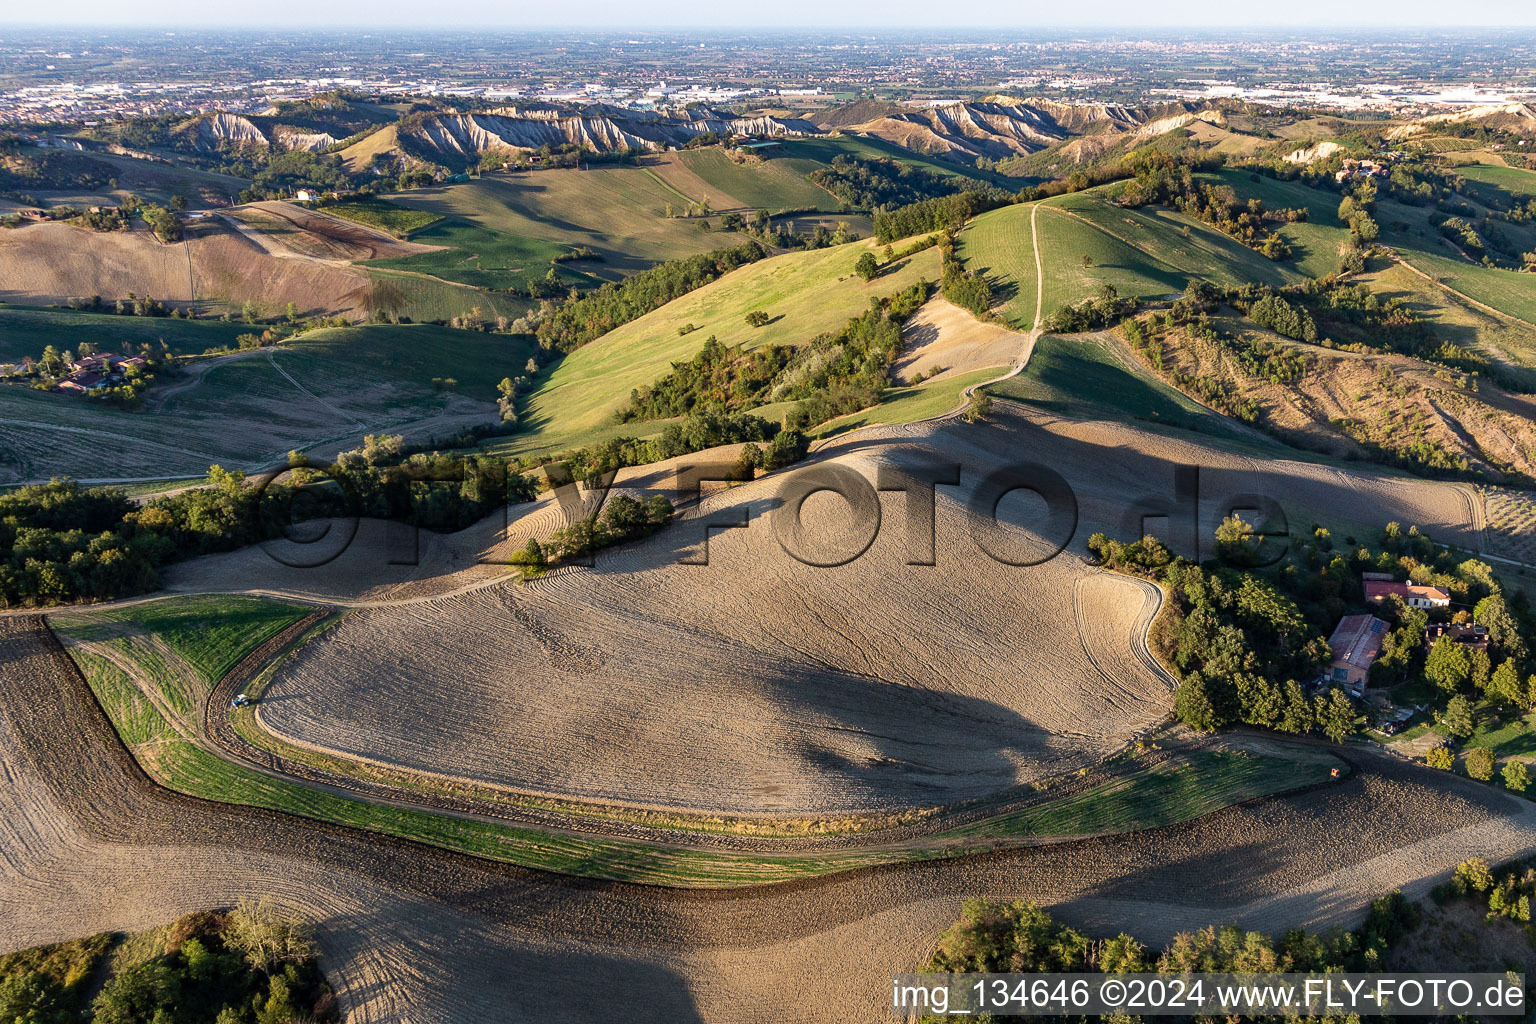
(565, 326)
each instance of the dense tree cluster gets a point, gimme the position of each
(699, 431)
(1090, 314)
(942, 214)
(832, 374)
(870, 183)
(719, 378)
(286, 172)
(844, 371)
(1022, 938)
(622, 519)
(1284, 319)
(1506, 892)
(61, 542)
(965, 288)
(246, 966)
(568, 325)
(1240, 643)
(1241, 638)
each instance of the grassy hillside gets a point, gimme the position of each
(248, 410)
(867, 147)
(772, 184)
(1314, 242)
(25, 330)
(618, 211)
(415, 294)
(1148, 253)
(804, 292)
(152, 669)
(1145, 252)
(1001, 246)
(399, 221)
(482, 257)
(1094, 377)
(1487, 181)
(1456, 320)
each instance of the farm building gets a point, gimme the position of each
(1468, 634)
(82, 381)
(1355, 643)
(1377, 591)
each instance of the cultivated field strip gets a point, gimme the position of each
(89, 844)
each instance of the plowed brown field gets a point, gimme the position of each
(415, 934)
(758, 684)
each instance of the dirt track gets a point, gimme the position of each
(411, 933)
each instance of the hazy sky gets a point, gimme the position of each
(868, 14)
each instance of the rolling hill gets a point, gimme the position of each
(322, 391)
(805, 293)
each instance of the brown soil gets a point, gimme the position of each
(289, 230)
(88, 844)
(869, 686)
(215, 265)
(943, 337)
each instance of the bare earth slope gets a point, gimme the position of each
(216, 264)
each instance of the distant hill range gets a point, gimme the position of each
(1517, 118)
(998, 127)
(1039, 136)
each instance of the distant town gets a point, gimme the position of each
(81, 76)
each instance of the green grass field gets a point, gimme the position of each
(904, 405)
(212, 632)
(1315, 242)
(398, 220)
(1148, 252)
(772, 184)
(1001, 245)
(245, 413)
(1170, 792)
(406, 293)
(1489, 181)
(823, 150)
(806, 293)
(619, 211)
(26, 330)
(1091, 376)
(482, 257)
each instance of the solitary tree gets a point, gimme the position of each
(757, 318)
(1441, 758)
(1516, 776)
(1087, 261)
(867, 266)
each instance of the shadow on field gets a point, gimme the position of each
(486, 977)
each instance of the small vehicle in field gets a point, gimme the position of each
(241, 701)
